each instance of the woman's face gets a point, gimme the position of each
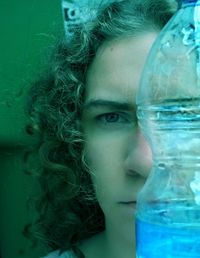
(118, 156)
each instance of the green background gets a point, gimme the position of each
(28, 30)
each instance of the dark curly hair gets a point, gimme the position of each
(68, 210)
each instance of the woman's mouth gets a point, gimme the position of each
(129, 203)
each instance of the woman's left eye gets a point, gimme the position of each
(110, 118)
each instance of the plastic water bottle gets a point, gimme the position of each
(168, 206)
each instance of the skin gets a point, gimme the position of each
(118, 155)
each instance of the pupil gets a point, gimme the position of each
(112, 117)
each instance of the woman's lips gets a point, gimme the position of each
(129, 203)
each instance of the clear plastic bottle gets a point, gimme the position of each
(168, 206)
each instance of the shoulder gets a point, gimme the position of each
(56, 254)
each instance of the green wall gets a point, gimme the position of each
(28, 29)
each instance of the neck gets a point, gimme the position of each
(116, 241)
(112, 243)
(120, 243)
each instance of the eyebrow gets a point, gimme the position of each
(109, 104)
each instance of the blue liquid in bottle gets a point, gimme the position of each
(163, 241)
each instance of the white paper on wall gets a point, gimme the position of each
(76, 12)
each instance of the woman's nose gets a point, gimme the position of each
(139, 156)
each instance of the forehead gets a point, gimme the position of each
(116, 69)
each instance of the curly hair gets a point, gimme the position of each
(68, 210)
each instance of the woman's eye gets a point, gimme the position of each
(110, 118)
